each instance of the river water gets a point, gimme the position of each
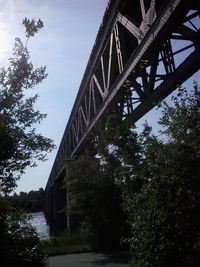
(38, 221)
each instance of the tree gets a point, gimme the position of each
(29, 202)
(20, 144)
(96, 199)
(159, 179)
(164, 213)
(120, 150)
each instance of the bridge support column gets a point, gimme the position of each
(73, 220)
(68, 208)
(55, 210)
(59, 220)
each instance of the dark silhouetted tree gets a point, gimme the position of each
(20, 146)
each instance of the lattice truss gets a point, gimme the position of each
(132, 65)
(155, 69)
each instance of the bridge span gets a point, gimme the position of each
(143, 50)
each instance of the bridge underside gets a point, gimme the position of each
(144, 49)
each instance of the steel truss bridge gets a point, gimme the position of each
(143, 50)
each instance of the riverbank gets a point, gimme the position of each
(57, 245)
(65, 244)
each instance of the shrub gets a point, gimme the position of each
(19, 243)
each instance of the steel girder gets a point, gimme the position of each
(143, 50)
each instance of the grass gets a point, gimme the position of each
(65, 244)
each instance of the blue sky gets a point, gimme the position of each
(64, 46)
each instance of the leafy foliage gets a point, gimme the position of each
(96, 199)
(164, 214)
(32, 201)
(20, 144)
(32, 26)
(19, 243)
(121, 152)
(66, 243)
(159, 180)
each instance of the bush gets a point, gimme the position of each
(19, 243)
(164, 212)
(66, 243)
(96, 199)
